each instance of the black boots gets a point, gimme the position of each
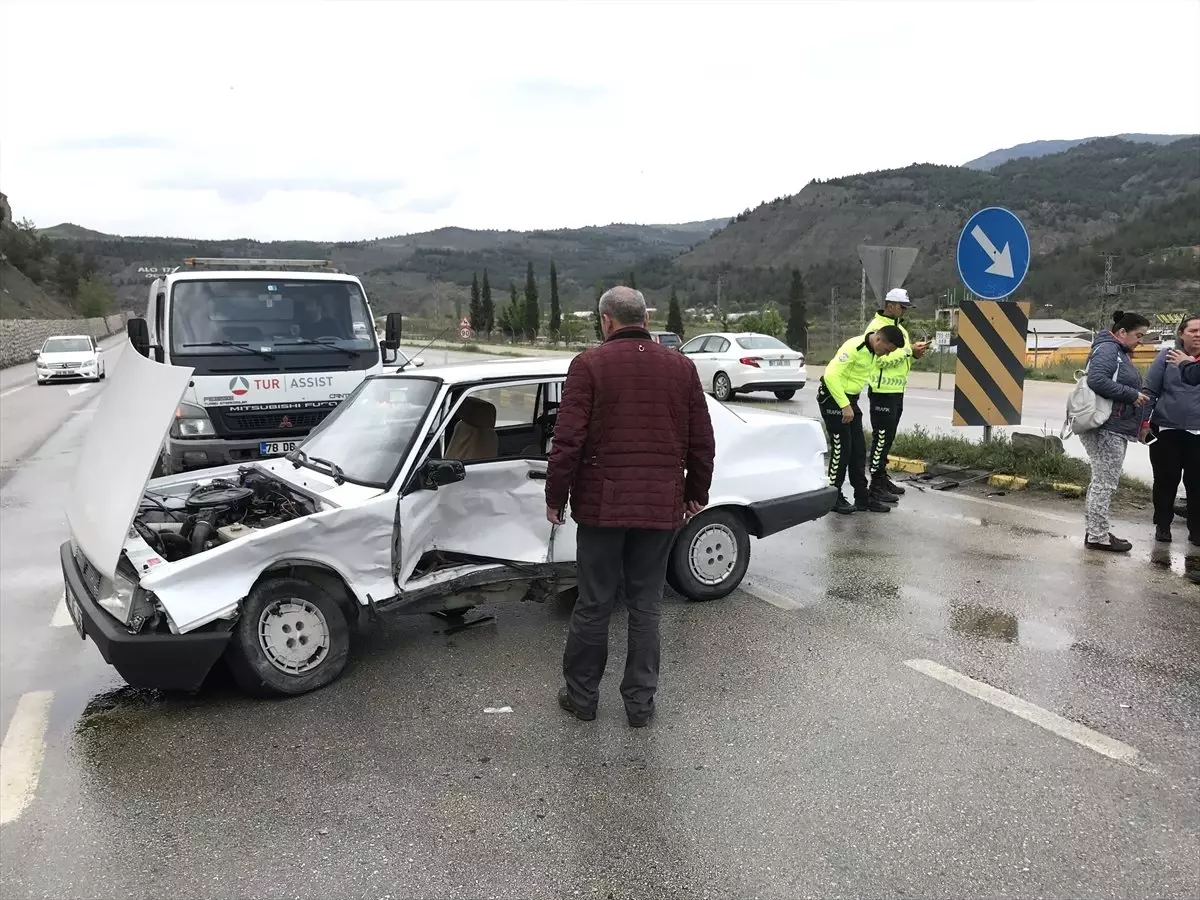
(871, 503)
(880, 490)
(843, 506)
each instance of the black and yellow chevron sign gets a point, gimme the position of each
(989, 381)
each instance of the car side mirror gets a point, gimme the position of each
(139, 335)
(392, 330)
(418, 362)
(438, 473)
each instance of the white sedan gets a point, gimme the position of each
(69, 356)
(423, 492)
(744, 362)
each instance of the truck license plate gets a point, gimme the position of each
(275, 448)
(74, 611)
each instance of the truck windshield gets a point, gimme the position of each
(369, 435)
(285, 315)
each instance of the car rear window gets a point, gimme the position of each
(761, 342)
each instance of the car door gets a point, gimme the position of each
(498, 511)
(695, 350)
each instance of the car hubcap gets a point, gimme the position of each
(722, 386)
(294, 636)
(713, 554)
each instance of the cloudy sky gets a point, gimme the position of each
(344, 120)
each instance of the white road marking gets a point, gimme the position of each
(758, 592)
(13, 390)
(1043, 718)
(22, 752)
(62, 618)
(71, 392)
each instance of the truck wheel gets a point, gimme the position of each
(291, 638)
(710, 556)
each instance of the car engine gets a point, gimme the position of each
(217, 512)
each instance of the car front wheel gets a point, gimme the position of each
(722, 388)
(710, 556)
(291, 638)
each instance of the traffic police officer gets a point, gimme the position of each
(885, 393)
(853, 366)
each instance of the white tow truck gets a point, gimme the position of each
(274, 346)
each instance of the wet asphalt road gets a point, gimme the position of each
(794, 754)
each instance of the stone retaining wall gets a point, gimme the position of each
(20, 339)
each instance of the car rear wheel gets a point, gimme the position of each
(710, 556)
(722, 387)
(291, 638)
(784, 395)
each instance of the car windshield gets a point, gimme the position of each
(371, 432)
(284, 315)
(761, 342)
(67, 345)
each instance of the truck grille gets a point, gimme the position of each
(282, 422)
(91, 576)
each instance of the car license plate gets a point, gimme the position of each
(274, 448)
(74, 610)
(780, 362)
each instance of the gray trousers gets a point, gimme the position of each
(1106, 453)
(616, 562)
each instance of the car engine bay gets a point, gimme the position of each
(217, 512)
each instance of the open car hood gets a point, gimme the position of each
(119, 452)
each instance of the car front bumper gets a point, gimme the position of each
(164, 661)
(781, 513)
(45, 374)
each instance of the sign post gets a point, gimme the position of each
(989, 380)
(943, 343)
(886, 267)
(464, 329)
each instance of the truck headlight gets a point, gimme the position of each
(191, 422)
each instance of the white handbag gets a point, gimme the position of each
(1086, 410)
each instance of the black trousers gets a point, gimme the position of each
(847, 444)
(615, 562)
(1176, 453)
(886, 410)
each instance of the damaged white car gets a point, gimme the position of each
(423, 492)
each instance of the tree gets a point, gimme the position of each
(674, 315)
(533, 312)
(67, 275)
(475, 311)
(596, 315)
(95, 298)
(489, 310)
(511, 320)
(797, 325)
(555, 308)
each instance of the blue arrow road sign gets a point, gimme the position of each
(993, 253)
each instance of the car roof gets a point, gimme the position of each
(55, 337)
(490, 369)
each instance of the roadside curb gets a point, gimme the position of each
(902, 464)
(1011, 482)
(1070, 490)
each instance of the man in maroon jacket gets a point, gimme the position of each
(633, 447)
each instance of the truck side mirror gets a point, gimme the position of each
(139, 335)
(391, 331)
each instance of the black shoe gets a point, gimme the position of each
(641, 720)
(892, 487)
(1162, 534)
(872, 504)
(564, 700)
(1114, 545)
(880, 491)
(843, 506)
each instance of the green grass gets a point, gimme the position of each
(999, 457)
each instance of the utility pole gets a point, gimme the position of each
(833, 317)
(862, 297)
(718, 298)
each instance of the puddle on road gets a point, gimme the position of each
(995, 624)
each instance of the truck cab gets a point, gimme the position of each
(274, 345)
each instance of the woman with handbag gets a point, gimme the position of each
(1175, 427)
(1112, 375)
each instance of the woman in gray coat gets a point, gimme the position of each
(1112, 375)
(1175, 424)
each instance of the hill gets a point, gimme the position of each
(409, 273)
(20, 298)
(1076, 198)
(1036, 149)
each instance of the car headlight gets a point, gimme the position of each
(191, 422)
(116, 598)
